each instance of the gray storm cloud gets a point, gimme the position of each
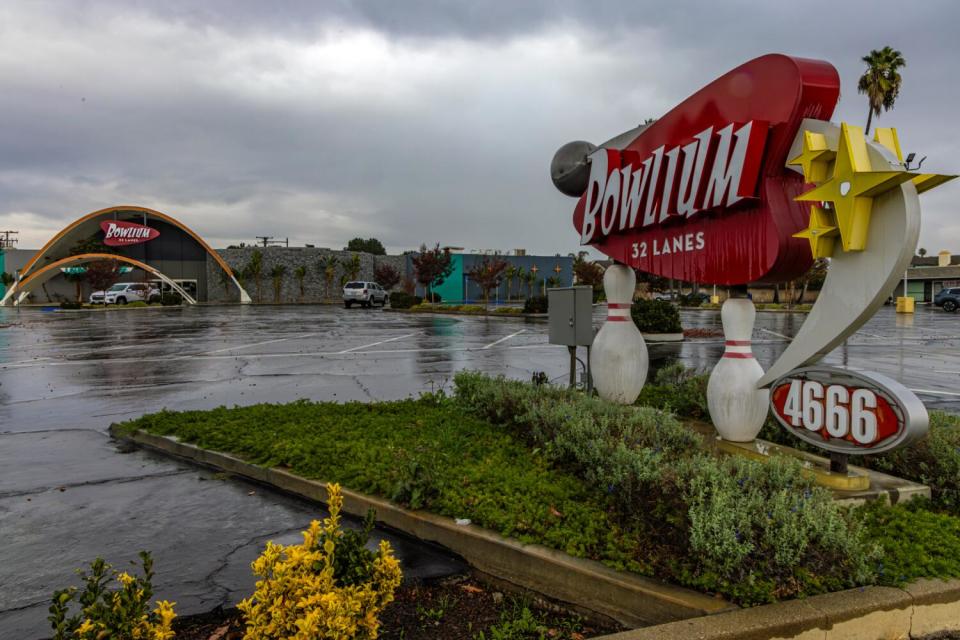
(409, 121)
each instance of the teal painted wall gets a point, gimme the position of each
(451, 289)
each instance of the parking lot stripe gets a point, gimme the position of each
(774, 333)
(504, 339)
(933, 392)
(373, 344)
(256, 344)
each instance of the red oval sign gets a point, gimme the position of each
(703, 194)
(847, 411)
(118, 233)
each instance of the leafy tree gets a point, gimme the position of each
(881, 81)
(370, 245)
(510, 273)
(276, 274)
(487, 273)
(91, 244)
(102, 274)
(587, 273)
(77, 278)
(386, 275)
(254, 271)
(812, 279)
(300, 273)
(327, 266)
(432, 267)
(922, 252)
(351, 268)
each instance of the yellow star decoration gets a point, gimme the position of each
(816, 157)
(853, 186)
(820, 233)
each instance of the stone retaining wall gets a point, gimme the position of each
(314, 285)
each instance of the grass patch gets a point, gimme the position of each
(917, 542)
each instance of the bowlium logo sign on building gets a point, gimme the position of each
(118, 233)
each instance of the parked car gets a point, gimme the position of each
(124, 292)
(365, 293)
(949, 299)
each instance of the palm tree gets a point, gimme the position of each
(509, 274)
(531, 279)
(352, 267)
(254, 269)
(881, 81)
(300, 273)
(327, 267)
(277, 273)
(521, 276)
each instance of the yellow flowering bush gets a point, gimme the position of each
(328, 588)
(118, 614)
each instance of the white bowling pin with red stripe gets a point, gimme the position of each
(737, 408)
(618, 358)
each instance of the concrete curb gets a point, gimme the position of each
(872, 613)
(663, 337)
(631, 600)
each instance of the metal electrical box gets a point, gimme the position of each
(571, 316)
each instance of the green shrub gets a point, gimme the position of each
(137, 304)
(71, 304)
(759, 531)
(472, 308)
(508, 310)
(121, 612)
(689, 300)
(434, 297)
(934, 461)
(678, 389)
(655, 316)
(170, 299)
(535, 304)
(403, 300)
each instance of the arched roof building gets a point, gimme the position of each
(160, 247)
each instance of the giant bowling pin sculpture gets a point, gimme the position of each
(737, 408)
(618, 358)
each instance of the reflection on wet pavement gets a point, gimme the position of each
(67, 494)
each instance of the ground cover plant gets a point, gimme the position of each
(621, 485)
(420, 453)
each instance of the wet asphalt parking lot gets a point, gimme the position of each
(68, 495)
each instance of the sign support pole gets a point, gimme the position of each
(839, 462)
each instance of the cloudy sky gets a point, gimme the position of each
(410, 121)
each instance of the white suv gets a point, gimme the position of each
(366, 293)
(124, 292)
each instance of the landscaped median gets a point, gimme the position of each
(570, 492)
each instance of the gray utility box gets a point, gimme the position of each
(571, 316)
